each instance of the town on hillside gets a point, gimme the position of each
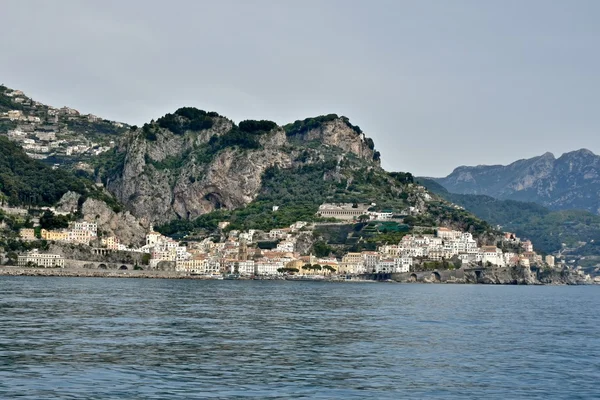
(282, 252)
(44, 131)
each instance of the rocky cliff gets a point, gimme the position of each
(571, 181)
(191, 163)
(110, 223)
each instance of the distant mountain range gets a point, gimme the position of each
(569, 182)
(572, 232)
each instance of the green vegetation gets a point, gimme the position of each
(51, 221)
(308, 124)
(442, 213)
(169, 163)
(360, 236)
(321, 249)
(235, 137)
(299, 191)
(252, 126)
(288, 270)
(548, 230)
(94, 129)
(11, 245)
(402, 177)
(27, 181)
(6, 102)
(187, 119)
(109, 164)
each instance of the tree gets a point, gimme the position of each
(146, 259)
(50, 221)
(329, 268)
(363, 218)
(12, 257)
(321, 249)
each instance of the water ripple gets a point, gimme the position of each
(75, 338)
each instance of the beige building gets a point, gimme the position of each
(550, 260)
(345, 211)
(55, 235)
(111, 242)
(198, 264)
(352, 263)
(27, 233)
(41, 260)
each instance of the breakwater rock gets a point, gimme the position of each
(497, 276)
(94, 273)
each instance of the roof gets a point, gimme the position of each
(489, 248)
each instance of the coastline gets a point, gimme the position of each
(144, 274)
(95, 273)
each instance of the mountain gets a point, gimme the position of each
(571, 181)
(192, 162)
(574, 232)
(191, 169)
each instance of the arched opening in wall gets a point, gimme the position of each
(435, 276)
(102, 266)
(122, 267)
(413, 277)
(215, 199)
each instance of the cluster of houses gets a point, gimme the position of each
(241, 252)
(448, 244)
(40, 132)
(278, 252)
(77, 232)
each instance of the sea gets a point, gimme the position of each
(96, 338)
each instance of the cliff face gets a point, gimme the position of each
(569, 182)
(122, 225)
(168, 175)
(340, 134)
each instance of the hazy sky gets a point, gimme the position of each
(436, 84)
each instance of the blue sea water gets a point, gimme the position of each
(92, 338)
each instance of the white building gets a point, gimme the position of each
(493, 255)
(41, 260)
(370, 260)
(268, 267)
(286, 246)
(246, 268)
(403, 264)
(386, 265)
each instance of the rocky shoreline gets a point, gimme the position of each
(516, 275)
(496, 276)
(94, 273)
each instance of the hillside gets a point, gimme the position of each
(577, 230)
(61, 136)
(29, 183)
(571, 181)
(189, 170)
(25, 181)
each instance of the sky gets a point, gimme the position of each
(437, 84)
